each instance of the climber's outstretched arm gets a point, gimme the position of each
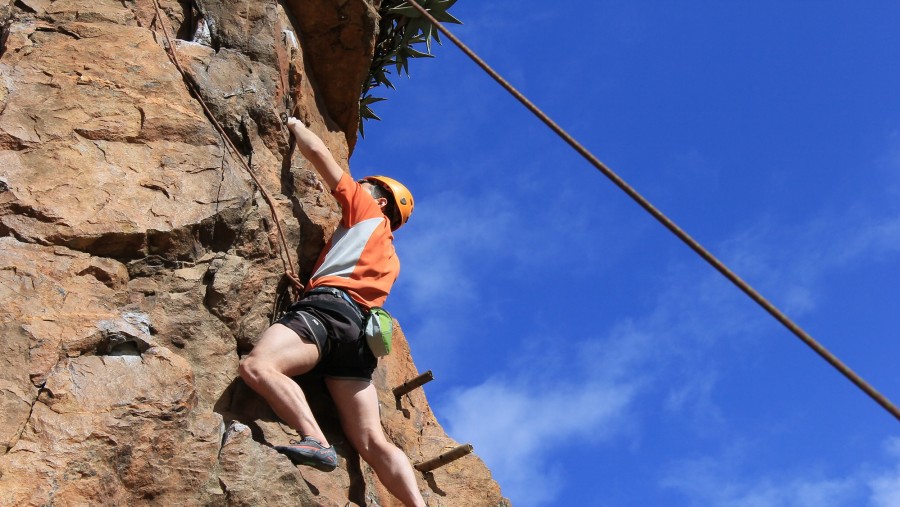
(313, 149)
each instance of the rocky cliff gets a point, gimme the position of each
(139, 259)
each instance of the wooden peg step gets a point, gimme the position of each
(443, 459)
(414, 383)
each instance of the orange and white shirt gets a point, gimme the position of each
(360, 258)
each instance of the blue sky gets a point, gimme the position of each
(592, 358)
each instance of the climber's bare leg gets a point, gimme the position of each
(357, 404)
(279, 355)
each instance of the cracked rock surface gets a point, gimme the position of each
(139, 260)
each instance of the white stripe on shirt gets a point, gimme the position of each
(346, 247)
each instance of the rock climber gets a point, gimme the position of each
(322, 330)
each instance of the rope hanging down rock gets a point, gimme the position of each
(669, 224)
(284, 250)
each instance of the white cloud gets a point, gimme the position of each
(694, 397)
(461, 239)
(464, 248)
(886, 490)
(456, 240)
(721, 482)
(667, 351)
(564, 394)
(716, 482)
(521, 428)
(877, 238)
(789, 263)
(885, 486)
(452, 233)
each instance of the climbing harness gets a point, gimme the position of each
(284, 250)
(669, 224)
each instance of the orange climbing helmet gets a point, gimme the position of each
(403, 199)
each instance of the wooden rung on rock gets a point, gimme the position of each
(443, 459)
(414, 383)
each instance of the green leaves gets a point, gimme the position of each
(402, 27)
(366, 113)
(437, 8)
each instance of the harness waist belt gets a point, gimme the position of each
(338, 293)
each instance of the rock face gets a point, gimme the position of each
(139, 259)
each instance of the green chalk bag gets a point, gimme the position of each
(378, 328)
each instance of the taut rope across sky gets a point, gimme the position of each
(671, 226)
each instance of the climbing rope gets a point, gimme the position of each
(669, 224)
(284, 251)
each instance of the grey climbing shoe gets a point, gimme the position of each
(311, 453)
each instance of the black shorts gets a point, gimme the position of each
(335, 327)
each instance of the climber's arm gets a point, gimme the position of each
(313, 149)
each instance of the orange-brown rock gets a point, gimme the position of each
(139, 259)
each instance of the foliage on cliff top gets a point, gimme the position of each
(401, 30)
